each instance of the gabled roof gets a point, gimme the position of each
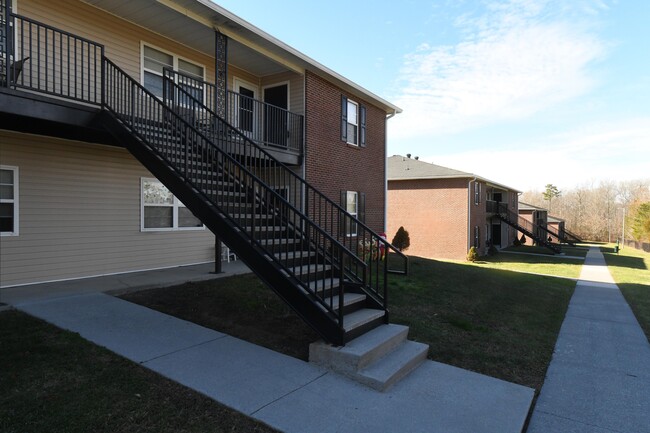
(552, 219)
(404, 168)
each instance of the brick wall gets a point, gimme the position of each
(331, 165)
(434, 212)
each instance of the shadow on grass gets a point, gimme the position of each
(496, 322)
(621, 261)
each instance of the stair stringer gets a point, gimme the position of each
(270, 272)
(528, 233)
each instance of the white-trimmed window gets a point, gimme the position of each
(161, 210)
(352, 206)
(8, 201)
(354, 202)
(477, 192)
(154, 60)
(477, 236)
(353, 122)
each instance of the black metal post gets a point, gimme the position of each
(217, 255)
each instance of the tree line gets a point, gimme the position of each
(599, 211)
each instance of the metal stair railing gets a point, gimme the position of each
(525, 226)
(367, 245)
(226, 184)
(573, 236)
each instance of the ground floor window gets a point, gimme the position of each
(8, 201)
(477, 236)
(161, 210)
(354, 202)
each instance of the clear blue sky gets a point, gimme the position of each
(523, 92)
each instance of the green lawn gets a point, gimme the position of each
(538, 264)
(630, 269)
(578, 250)
(492, 321)
(55, 381)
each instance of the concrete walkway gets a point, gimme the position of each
(284, 392)
(599, 377)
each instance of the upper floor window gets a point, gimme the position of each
(161, 210)
(353, 122)
(8, 201)
(154, 61)
(477, 192)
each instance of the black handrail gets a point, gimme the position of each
(231, 188)
(60, 63)
(368, 245)
(527, 227)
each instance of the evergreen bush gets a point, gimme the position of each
(401, 239)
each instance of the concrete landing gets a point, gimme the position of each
(599, 377)
(284, 392)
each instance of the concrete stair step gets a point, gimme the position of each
(361, 317)
(348, 299)
(379, 358)
(392, 367)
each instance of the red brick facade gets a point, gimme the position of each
(435, 212)
(332, 165)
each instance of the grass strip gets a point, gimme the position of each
(55, 381)
(492, 321)
(630, 269)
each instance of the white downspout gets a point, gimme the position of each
(388, 116)
(469, 208)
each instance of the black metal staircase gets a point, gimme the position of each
(286, 231)
(533, 231)
(570, 237)
(296, 239)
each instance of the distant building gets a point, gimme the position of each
(447, 211)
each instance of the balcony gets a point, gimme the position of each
(56, 77)
(277, 129)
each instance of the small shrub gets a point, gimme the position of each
(472, 255)
(401, 239)
(492, 250)
(516, 243)
(522, 241)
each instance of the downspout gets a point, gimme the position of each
(388, 117)
(469, 208)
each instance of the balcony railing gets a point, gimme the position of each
(261, 122)
(38, 57)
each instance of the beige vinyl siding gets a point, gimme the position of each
(120, 38)
(296, 89)
(80, 215)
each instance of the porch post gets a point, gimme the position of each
(221, 74)
(217, 255)
(6, 59)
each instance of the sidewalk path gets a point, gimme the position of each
(286, 393)
(599, 378)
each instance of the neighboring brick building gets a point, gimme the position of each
(538, 217)
(445, 211)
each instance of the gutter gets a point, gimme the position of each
(388, 117)
(469, 208)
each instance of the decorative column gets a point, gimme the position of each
(221, 74)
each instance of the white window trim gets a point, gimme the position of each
(236, 83)
(356, 104)
(15, 200)
(175, 58)
(175, 205)
(281, 83)
(354, 214)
